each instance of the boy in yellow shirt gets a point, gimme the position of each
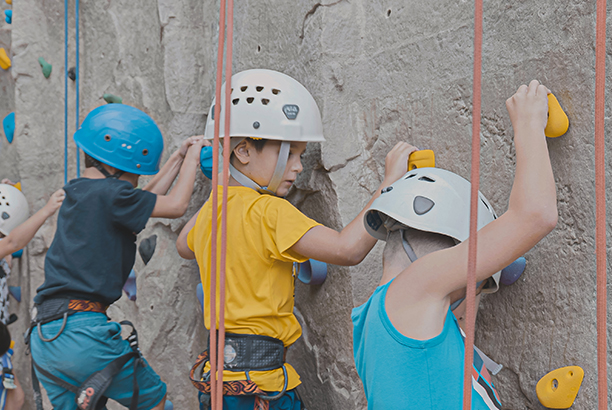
(273, 117)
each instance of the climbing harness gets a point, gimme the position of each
(243, 353)
(90, 394)
(269, 105)
(600, 204)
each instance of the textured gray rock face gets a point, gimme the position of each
(382, 72)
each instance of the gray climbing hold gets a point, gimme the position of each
(146, 249)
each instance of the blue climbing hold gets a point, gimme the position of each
(18, 254)
(312, 272)
(512, 272)
(168, 405)
(15, 291)
(200, 294)
(9, 127)
(206, 161)
(130, 286)
(8, 16)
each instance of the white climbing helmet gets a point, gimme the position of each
(270, 105)
(14, 209)
(430, 200)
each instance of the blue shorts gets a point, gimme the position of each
(289, 401)
(88, 343)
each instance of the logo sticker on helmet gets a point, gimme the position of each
(291, 111)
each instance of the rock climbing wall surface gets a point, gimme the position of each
(8, 163)
(381, 72)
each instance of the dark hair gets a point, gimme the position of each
(5, 339)
(258, 143)
(89, 161)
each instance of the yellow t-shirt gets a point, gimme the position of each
(261, 229)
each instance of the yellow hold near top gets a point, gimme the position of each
(559, 388)
(5, 61)
(9, 1)
(423, 158)
(18, 185)
(558, 123)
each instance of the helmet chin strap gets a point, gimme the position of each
(277, 176)
(407, 248)
(104, 172)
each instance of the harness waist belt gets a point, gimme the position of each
(245, 353)
(53, 309)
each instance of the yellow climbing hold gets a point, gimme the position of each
(558, 123)
(18, 185)
(424, 158)
(558, 389)
(5, 61)
(9, 1)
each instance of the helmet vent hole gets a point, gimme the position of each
(259, 88)
(410, 176)
(275, 91)
(265, 101)
(243, 88)
(145, 152)
(426, 179)
(250, 100)
(231, 90)
(107, 137)
(235, 101)
(485, 204)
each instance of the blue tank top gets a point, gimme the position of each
(399, 373)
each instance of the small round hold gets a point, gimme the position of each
(256, 124)
(72, 73)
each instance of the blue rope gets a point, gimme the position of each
(76, 11)
(65, 92)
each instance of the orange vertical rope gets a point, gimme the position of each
(226, 159)
(215, 216)
(600, 200)
(470, 297)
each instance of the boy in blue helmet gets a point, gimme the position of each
(79, 356)
(408, 347)
(273, 118)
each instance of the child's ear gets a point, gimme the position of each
(242, 152)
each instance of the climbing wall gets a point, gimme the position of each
(381, 72)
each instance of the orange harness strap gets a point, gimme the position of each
(600, 204)
(470, 297)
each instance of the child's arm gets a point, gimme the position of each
(353, 243)
(161, 182)
(181, 241)
(175, 203)
(21, 235)
(418, 299)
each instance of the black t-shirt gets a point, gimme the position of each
(94, 247)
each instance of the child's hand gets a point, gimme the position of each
(55, 201)
(396, 162)
(196, 147)
(7, 181)
(528, 107)
(188, 143)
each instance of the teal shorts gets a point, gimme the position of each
(88, 343)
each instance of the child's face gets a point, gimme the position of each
(262, 164)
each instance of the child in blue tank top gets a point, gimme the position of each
(408, 347)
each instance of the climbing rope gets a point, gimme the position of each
(217, 347)
(600, 204)
(470, 297)
(76, 79)
(65, 92)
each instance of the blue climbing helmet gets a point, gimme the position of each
(123, 137)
